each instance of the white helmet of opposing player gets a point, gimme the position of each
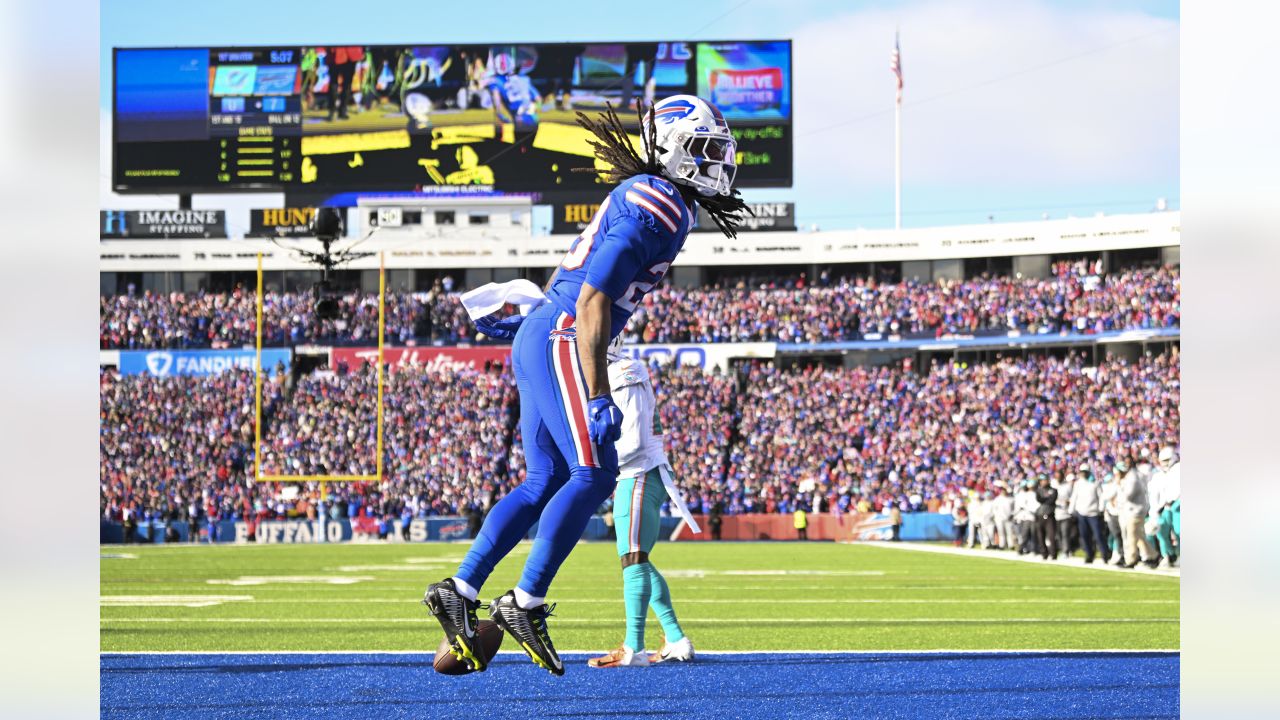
(693, 144)
(614, 352)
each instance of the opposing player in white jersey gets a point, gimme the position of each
(644, 482)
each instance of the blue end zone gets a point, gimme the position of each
(911, 686)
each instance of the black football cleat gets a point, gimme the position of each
(529, 628)
(457, 616)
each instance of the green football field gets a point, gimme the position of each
(730, 596)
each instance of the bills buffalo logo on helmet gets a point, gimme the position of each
(673, 110)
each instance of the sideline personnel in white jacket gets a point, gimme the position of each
(1132, 502)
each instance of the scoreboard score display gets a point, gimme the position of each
(404, 117)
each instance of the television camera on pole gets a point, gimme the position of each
(327, 228)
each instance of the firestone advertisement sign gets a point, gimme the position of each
(432, 358)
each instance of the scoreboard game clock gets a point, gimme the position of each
(404, 117)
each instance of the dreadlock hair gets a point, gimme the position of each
(613, 146)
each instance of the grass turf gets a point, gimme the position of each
(729, 596)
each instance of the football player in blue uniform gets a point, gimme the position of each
(512, 94)
(568, 420)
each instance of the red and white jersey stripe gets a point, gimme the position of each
(661, 205)
(568, 372)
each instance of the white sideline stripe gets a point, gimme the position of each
(112, 599)
(807, 651)
(686, 588)
(1064, 562)
(695, 573)
(613, 594)
(418, 567)
(190, 601)
(691, 621)
(789, 573)
(250, 580)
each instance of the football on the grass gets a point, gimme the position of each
(490, 639)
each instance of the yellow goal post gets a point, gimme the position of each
(257, 397)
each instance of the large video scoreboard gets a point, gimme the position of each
(336, 118)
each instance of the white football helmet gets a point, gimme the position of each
(614, 352)
(694, 145)
(502, 60)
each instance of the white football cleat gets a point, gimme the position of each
(623, 656)
(681, 651)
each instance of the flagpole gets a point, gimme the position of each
(897, 164)
(897, 138)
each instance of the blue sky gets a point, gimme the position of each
(1013, 109)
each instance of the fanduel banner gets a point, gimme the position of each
(435, 358)
(712, 355)
(147, 224)
(768, 216)
(284, 222)
(163, 363)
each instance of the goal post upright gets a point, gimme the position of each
(257, 380)
(257, 403)
(382, 324)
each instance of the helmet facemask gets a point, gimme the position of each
(708, 162)
(696, 151)
(614, 352)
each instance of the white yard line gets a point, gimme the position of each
(690, 621)
(1066, 562)
(701, 653)
(694, 586)
(128, 600)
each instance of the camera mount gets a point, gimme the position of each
(327, 228)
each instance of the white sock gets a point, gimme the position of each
(466, 590)
(525, 601)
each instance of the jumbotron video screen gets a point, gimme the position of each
(333, 118)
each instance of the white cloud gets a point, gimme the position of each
(1108, 117)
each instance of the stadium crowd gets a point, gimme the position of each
(181, 448)
(178, 320)
(177, 448)
(759, 439)
(1078, 298)
(874, 438)
(446, 435)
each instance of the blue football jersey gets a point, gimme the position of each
(516, 91)
(628, 247)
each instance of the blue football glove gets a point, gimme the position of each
(500, 328)
(604, 420)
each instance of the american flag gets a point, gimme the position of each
(895, 64)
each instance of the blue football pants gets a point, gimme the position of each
(567, 476)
